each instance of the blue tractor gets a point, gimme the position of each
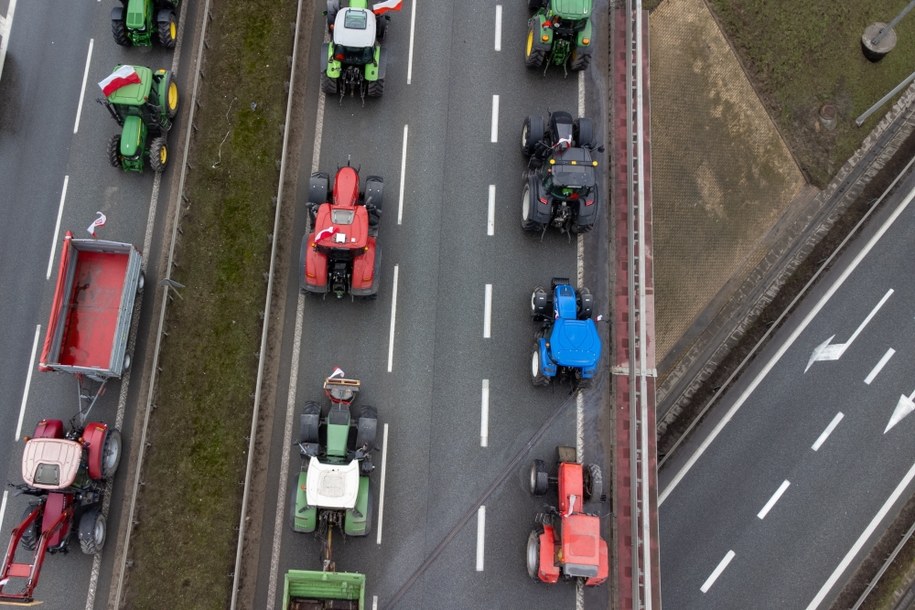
(567, 345)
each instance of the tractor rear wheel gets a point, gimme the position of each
(533, 554)
(537, 376)
(527, 223)
(309, 422)
(172, 99)
(593, 482)
(577, 228)
(119, 31)
(540, 481)
(533, 57)
(375, 88)
(92, 532)
(329, 85)
(29, 540)
(583, 132)
(366, 427)
(158, 155)
(168, 31)
(111, 453)
(579, 61)
(531, 133)
(114, 151)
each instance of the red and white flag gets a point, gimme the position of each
(123, 76)
(380, 8)
(338, 372)
(98, 222)
(325, 233)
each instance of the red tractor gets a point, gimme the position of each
(341, 254)
(567, 541)
(67, 473)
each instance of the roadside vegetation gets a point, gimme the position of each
(183, 548)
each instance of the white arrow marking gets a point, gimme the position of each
(905, 406)
(825, 351)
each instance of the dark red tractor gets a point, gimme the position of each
(340, 255)
(66, 472)
(567, 541)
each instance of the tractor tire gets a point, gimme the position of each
(537, 376)
(593, 482)
(533, 555)
(92, 532)
(540, 303)
(310, 422)
(534, 5)
(119, 32)
(114, 151)
(531, 133)
(585, 304)
(533, 57)
(583, 132)
(318, 186)
(168, 31)
(333, 7)
(540, 481)
(171, 100)
(29, 540)
(381, 27)
(579, 61)
(158, 155)
(527, 223)
(375, 88)
(111, 453)
(329, 85)
(577, 228)
(366, 427)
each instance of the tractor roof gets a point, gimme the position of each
(51, 463)
(354, 27)
(575, 343)
(581, 545)
(332, 485)
(572, 9)
(134, 94)
(573, 167)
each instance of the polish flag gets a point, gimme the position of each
(123, 76)
(380, 8)
(325, 233)
(98, 222)
(338, 372)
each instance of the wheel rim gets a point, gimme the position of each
(535, 364)
(526, 203)
(530, 43)
(112, 452)
(173, 30)
(172, 96)
(524, 133)
(99, 532)
(533, 307)
(163, 155)
(533, 477)
(533, 555)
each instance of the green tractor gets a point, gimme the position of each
(352, 61)
(332, 489)
(559, 34)
(139, 22)
(144, 111)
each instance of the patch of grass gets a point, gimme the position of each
(802, 55)
(183, 550)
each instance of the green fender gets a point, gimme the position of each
(585, 35)
(360, 524)
(536, 24)
(133, 135)
(374, 71)
(334, 67)
(305, 518)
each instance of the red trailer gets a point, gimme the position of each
(89, 325)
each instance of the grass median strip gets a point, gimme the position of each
(183, 549)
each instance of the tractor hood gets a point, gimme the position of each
(572, 9)
(134, 94)
(354, 27)
(332, 485)
(575, 343)
(51, 463)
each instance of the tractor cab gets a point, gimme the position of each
(332, 485)
(154, 99)
(342, 224)
(570, 174)
(354, 36)
(570, 16)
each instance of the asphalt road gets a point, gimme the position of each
(55, 175)
(809, 456)
(430, 547)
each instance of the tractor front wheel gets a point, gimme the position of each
(158, 155)
(540, 481)
(92, 532)
(533, 555)
(366, 427)
(168, 31)
(111, 453)
(329, 85)
(310, 422)
(114, 151)
(583, 132)
(593, 482)
(29, 540)
(537, 376)
(531, 133)
(375, 88)
(119, 31)
(533, 57)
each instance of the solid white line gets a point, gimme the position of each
(498, 27)
(714, 575)
(403, 174)
(491, 213)
(494, 133)
(393, 320)
(825, 434)
(3, 504)
(580, 427)
(484, 414)
(5, 33)
(784, 348)
(28, 382)
(384, 470)
(487, 312)
(853, 551)
(374, 602)
(481, 532)
(581, 93)
(412, 32)
(82, 93)
(886, 358)
(60, 212)
(775, 497)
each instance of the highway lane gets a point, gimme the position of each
(55, 173)
(809, 468)
(431, 401)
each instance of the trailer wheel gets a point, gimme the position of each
(537, 377)
(29, 540)
(533, 554)
(540, 482)
(114, 151)
(594, 482)
(111, 453)
(309, 422)
(126, 362)
(92, 532)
